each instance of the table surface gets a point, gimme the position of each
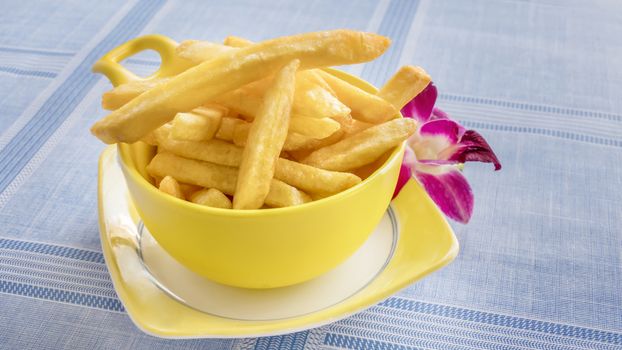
(540, 263)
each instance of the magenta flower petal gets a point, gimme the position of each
(408, 163)
(448, 189)
(473, 147)
(437, 113)
(420, 107)
(446, 128)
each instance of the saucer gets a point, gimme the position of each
(165, 299)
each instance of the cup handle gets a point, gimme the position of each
(117, 74)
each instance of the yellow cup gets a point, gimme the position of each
(264, 248)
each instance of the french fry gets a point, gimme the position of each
(236, 41)
(362, 148)
(265, 140)
(170, 186)
(199, 125)
(124, 93)
(312, 100)
(229, 71)
(188, 189)
(211, 198)
(351, 126)
(214, 151)
(313, 144)
(365, 106)
(293, 141)
(404, 85)
(221, 177)
(197, 51)
(313, 180)
(304, 177)
(313, 127)
(227, 128)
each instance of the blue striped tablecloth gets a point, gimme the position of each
(541, 260)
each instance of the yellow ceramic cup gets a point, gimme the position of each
(264, 248)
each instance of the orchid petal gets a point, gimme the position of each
(437, 113)
(442, 127)
(449, 189)
(420, 107)
(408, 164)
(473, 147)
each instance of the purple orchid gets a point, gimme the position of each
(436, 153)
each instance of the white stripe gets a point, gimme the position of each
(410, 45)
(25, 117)
(373, 26)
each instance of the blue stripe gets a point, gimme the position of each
(530, 107)
(95, 301)
(504, 320)
(293, 341)
(545, 132)
(348, 342)
(36, 51)
(16, 154)
(395, 25)
(55, 250)
(33, 73)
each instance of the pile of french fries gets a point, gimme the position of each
(262, 125)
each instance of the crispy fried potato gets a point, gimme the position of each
(265, 140)
(192, 50)
(188, 189)
(227, 128)
(313, 127)
(230, 71)
(199, 125)
(313, 180)
(170, 186)
(214, 151)
(294, 141)
(351, 126)
(304, 177)
(236, 41)
(404, 85)
(362, 148)
(221, 177)
(313, 100)
(365, 106)
(211, 198)
(124, 93)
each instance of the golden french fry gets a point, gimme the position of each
(214, 151)
(313, 180)
(124, 93)
(365, 106)
(170, 186)
(265, 140)
(351, 126)
(404, 85)
(364, 147)
(236, 41)
(293, 141)
(304, 177)
(188, 189)
(229, 71)
(312, 100)
(227, 128)
(199, 125)
(211, 198)
(313, 127)
(150, 139)
(197, 51)
(313, 144)
(221, 177)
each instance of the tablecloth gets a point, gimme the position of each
(540, 265)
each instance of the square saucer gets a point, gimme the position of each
(166, 300)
